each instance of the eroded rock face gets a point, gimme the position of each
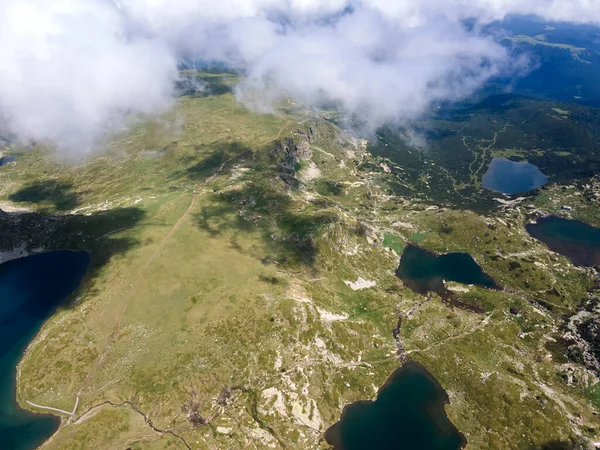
(293, 152)
(302, 152)
(590, 331)
(583, 335)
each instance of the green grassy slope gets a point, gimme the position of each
(219, 311)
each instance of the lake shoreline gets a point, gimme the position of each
(434, 414)
(574, 239)
(65, 271)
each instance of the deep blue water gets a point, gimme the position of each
(408, 414)
(424, 271)
(7, 159)
(510, 177)
(31, 289)
(576, 240)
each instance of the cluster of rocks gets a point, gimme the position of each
(292, 152)
(582, 334)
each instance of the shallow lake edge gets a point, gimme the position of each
(408, 364)
(23, 407)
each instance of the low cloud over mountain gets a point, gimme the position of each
(71, 70)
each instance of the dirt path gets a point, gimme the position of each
(56, 409)
(480, 326)
(94, 409)
(113, 336)
(172, 231)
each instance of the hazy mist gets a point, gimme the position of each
(72, 70)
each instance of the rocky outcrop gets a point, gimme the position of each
(582, 334)
(292, 152)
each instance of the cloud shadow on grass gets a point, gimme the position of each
(49, 193)
(92, 233)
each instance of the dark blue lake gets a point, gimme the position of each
(424, 271)
(407, 414)
(577, 240)
(510, 177)
(31, 289)
(7, 159)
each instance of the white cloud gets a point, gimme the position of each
(420, 11)
(72, 69)
(377, 69)
(69, 71)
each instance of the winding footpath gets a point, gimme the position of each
(117, 328)
(56, 409)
